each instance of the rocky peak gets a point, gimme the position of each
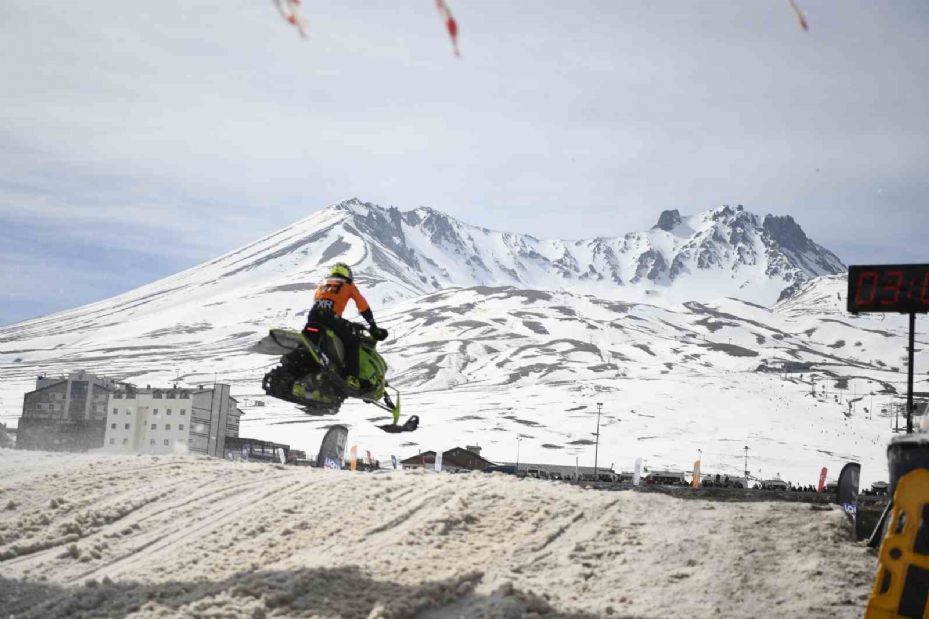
(786, 232)
(669, 220)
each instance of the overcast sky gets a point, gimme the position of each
(137, 139)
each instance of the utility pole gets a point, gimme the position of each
(597, 443)
(518, 440)
(909, 376)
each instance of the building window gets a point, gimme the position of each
(112, 440)
(127, 411)
(183, 411)
(180, 426)
(168, 412)
(154, 426)
(167, 442)
(151, 441)
(127, 426)
(112, 426)
(155, 412)
(125, 441)
(167, 426)
(115, 411)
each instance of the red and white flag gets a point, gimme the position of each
(450, 23)
(800, 17)
(292, 12)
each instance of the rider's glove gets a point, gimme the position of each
(377, 333)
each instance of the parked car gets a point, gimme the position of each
(507, 469)
(774, 484)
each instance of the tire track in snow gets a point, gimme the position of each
(230, 510)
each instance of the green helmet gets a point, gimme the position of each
(340, 269)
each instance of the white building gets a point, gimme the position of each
(172, 420)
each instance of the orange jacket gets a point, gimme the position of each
(334, 293)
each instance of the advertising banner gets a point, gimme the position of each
(438, 461)
(353, 461)
(637, 472)
(695, 482)
(332, 449)
(822, 480)
(847, 493)
(393, 460)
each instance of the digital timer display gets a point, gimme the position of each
(902, 288)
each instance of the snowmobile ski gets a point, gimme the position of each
(409, 426)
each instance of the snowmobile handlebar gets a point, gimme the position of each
(375, 333)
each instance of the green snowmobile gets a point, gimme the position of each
(311, 372)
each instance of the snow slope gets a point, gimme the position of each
(144, 537)
(485, 365)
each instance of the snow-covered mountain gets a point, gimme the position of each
(496, 335)
(724, 251)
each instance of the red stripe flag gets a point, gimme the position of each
(290, 10)
(450, 23)
(799, 13)
(822, 480)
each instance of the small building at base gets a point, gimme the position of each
(457, 459)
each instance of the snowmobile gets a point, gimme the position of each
(312, 372)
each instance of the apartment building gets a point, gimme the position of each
(171, 420)
(66, 413)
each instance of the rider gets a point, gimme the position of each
(332, 295)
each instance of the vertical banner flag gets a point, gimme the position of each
(847, 493)
(393, 460)
(637, 472)
(353, 462)
(370, 459)
(332, 449)
(281, 455)
(438, 461)
(822, 480)
(695, 482)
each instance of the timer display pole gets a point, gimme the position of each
(909, 377)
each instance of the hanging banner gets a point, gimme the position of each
(695, 482)
(393, 460)
(438, 461)
(353, 461)
(822, 480)
(332, 449)
(637, 472)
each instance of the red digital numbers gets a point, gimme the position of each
(894, 288)
(866, 288)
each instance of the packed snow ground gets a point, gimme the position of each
(179, 536)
